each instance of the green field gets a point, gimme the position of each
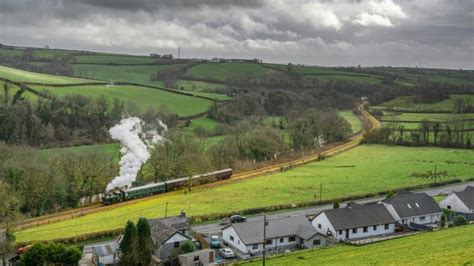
(451, 79)
(26, 76)
(38, 53)
(355, 122)
(201, 86)
(224, 71)
(452, 246)
(143, 97)
(329, 74)
(205, 123)
(412, 120)
(137, 74)
(365, 169)
(406, 103)
(114, 59)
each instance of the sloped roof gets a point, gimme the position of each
(252, 232)
(106, 250)
(179, 223)
(408, 204)
(467, 196)
(355, 215)
(160, 231)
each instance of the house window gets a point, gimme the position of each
(340, 232)
(354, 230)
(292, 239)
(316, 242)
(269, 241)
(386, 226)
(282, 240)
(255, 246)
(196, 258)
(176, 244)
(404, 221)
(422, 218)
(319, 226)
(365, 229)
(231, 238)
(375, 228)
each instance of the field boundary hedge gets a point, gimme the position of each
(258, 210)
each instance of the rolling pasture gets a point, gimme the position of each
(26, 76)
(113, 59)
(143, 97)
(452, 246)
(223, 71)
(380, 168)
(353, 120)
(413, 120)
(407, 104)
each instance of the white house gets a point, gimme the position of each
(355, 221)
(462, 201)
(281, 234)
(419, 208)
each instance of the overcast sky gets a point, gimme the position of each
(425, 33)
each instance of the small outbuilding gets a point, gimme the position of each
(202, 257)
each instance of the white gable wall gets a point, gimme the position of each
(176, 238)
(322, 224)
(229, 233)
(453, 203)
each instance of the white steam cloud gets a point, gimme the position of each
(135, 143)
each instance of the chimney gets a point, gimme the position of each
(182, 214)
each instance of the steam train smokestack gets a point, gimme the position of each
(134, 149)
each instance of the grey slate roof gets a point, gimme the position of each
(408, 204)
(356, 216)
(179, 223)
(467, 196)
(252, 232)
(161, 231)
(106, 250)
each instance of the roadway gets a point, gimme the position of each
(215, 228)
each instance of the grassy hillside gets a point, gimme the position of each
(114, 59)
(406, 103)
(192, 85)
(367, 168)
(39, 53)
(412, 120)
(138, 74)
(452, 246)
(26, 76)
(355, 122)
(224, 71)
(144, 98)
(329, 74)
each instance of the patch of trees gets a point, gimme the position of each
(430, 93)
(136, 246)
(455, 134)
(171, 73)
(34, 183)
(58, 65)
(50, 254)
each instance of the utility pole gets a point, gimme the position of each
(166, 210)
(435, 174)
(265, 224)
(320, 191)
(179, 52)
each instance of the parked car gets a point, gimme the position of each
(227, 253)
(237, 219)
(224, 221)
(215, 242)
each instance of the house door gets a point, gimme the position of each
(347, 233)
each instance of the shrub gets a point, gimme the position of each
(460, 220)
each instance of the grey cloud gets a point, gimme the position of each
(431, 33)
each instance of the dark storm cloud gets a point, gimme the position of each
(372, 32)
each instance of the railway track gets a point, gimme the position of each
(352, 142)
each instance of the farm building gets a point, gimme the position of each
(355, 221)
(462, 201)
(106, 254)
(418, 208)
(169, 234)
(281, 234)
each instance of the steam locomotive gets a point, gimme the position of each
(120, 195)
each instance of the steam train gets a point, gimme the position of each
(120, 195)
